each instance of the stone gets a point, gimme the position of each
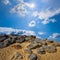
(50, 49)
(30, 38)
(27, 50)
(6, 43)
(2, 45)
(33, 45)
(56, 44)
(17, 56)
(20, 39)
(33, 56)
(3, 37)
(44, 42)
(41, 51)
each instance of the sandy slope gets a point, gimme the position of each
(8, 52)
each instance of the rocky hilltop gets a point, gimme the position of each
(16, 47)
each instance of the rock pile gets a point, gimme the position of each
(6, 40)
(40, 46)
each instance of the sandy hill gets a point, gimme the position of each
(14, 47)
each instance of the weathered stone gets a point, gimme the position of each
(17, 56)
(33, 56)
(50, 49)
(20, 41)
(33, 45)
(30, 38)
(44, 42)
(2, 45)
(3, 37)
(56, 44)
(41, 50)
(27, 50)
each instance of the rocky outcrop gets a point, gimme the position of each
(26, 47)
(33, 57)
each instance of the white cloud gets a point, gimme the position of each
(32, 23)
(55, 35)
(6, 2)
(21, 8)
(30, 5)
(41, 33)
(16, 31)
(48, 21)
(46, 14)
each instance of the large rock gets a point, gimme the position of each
(17, 56)
(34, 45)
(50, 49)
(56, 44)
(20, 39)
(33, 56)
(41, 51)
(2, 45)
(30, 38)
(27, 50)
(3, 37)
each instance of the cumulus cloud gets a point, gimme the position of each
(48, 21)
(45, 15)
(55, 35)
(6, 2)
(16, 31)
(32, 23)
(21, 8)
(41, 33)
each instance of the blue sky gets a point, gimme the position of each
(31, 17)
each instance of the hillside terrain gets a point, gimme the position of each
(16, 47)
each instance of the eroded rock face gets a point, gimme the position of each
(30, 38)
(41, 51)
(33, 45)
(50, 49)
(27, 50)
(33, 56)
(3, 37)
(17, 56)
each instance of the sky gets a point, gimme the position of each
(31, 17)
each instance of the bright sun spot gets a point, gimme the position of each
(32, 5)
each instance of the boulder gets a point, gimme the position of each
(20, 39)
(17, 56)
(2, 45)
(50, 49)
(33, 56)
(56, 44)
(27, 50)
(3, 37)
(41, 51)
(34, 45)
(44, 42)
(30, 38)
